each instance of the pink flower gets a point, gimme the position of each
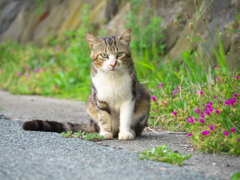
(200, 92)
(210, 103)
(174, 113)
(235, 94)
(205, 132)
(233, 130)
(197, 111)
(201, 120)
(225, 133)
(191, 120)
(161, 85)
(230, 101)
(36, 70)
(189, 134)
(206, 111)
(27, 68)
(217, 111)
(175, 91)
(237, 77)
(202, 115)
(211, 127)
(215, 66)
(238, 139)
(26, 75)
(157, 87)
(154, 98)
(154, 110)
(19, 74)
(58, 48)
(215, 97)
(218, 79)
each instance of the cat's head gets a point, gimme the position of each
(110, 53)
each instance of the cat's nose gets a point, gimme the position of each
(113, 65)
(113, 60)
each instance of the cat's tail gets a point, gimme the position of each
(54, 126)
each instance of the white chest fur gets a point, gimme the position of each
(113, 87)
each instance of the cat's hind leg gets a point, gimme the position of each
(100, 113)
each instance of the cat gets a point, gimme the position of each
(118, 105)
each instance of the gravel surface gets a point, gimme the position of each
(47, 155)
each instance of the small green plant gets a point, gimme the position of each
(235, 176)
(164, 154)
(82, 135)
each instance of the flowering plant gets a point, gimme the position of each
(209, 114)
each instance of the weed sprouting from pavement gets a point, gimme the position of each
(82, 135)
(164, 154)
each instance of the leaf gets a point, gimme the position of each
(235, 176)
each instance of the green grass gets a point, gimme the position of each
(62, 69)
(164, 154)
(82, 135)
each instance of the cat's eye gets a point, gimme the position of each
(119, 54)
(104, 55)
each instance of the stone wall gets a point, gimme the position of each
(20, 20)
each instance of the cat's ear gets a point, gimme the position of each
(126, 36)
(92, 40)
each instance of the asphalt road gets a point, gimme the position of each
(37, 155)
(44, 155)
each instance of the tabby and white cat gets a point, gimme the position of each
(117, 105)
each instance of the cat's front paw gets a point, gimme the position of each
(125, 136)
(106, 135)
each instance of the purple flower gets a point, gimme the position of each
(205, 132)
(201, 120)
(237, 77)
(230, 101)
(215, 66)
(238, 139)
(189, 134)
(199, 92)
(217, 111)
(36, 70)
(206, 111)
(58, 48)
(215, 97)
(210, 109)
(197, 111)
(191, 120)
(19, 74)
(210, 103)
(211, 127)
(233, 130)
(175, 91)
(154, 98)
(202, 115)
(161, 85)
(225, 133)
(174, 113)
(235, 94)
